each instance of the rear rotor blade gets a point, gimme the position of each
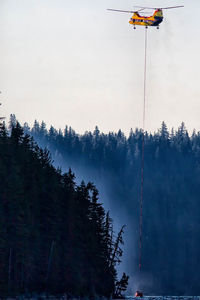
(172, 7)
(160, 7)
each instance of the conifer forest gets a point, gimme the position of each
(171, 210)
(56, 236)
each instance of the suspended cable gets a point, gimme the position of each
(142, 163)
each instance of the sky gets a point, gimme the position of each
(74, 63)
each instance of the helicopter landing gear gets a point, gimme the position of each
(146, 27)
(134, 27)
(158, 27)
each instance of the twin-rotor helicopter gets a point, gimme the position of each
(141, 20)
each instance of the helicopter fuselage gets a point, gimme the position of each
(153, 20)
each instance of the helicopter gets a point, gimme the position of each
(141, 20)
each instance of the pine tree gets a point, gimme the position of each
(117, 251)
(121, 286)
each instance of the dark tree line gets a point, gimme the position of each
(171, 243)
(55, 236)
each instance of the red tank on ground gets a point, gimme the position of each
(138, 294)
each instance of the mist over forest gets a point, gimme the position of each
(171, 223)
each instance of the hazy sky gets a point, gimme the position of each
(72, 62)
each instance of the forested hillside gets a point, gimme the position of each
(55, 236)
(171, 231)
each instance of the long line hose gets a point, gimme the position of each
(142, 164)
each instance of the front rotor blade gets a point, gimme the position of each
(125, 11)
(145, 7)
(119, 10)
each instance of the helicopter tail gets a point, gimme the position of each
(158, 13)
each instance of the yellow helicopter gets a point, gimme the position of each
(141, 20)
